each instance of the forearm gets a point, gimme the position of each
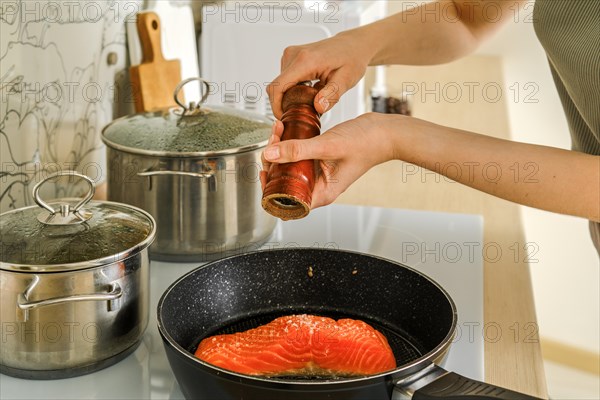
(433, 33)
(543, 177)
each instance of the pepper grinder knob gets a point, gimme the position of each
(289, 186)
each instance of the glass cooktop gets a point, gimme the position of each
(447, 247)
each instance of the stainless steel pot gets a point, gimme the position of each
(74, 281)
(196, 171)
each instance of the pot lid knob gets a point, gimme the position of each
(66, 214)
(193, 106)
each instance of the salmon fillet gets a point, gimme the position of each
(301, 345)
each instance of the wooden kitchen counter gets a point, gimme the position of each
(512, 353)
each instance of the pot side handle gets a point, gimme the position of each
(435, 383)
(209, 174)
(111, 297)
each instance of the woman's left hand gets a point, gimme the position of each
(345, 153)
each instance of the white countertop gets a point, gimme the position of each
(446, 247)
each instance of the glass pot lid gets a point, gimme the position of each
(72, 234)
(191, 130)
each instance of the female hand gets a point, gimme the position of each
(338, 63)
(345, 153)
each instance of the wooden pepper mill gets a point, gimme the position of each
(288, 191)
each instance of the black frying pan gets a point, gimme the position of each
(241, 292)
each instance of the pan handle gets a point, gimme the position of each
(434, 383)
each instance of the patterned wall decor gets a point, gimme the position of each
(63, 76)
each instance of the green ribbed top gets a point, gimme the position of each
(569, 30)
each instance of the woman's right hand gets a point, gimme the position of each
(338, 63)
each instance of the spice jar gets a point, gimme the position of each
(289, 186)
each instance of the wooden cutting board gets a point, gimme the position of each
(154, 80)
(178, 39)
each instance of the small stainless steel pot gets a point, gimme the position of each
(196, 171)
(74, 283)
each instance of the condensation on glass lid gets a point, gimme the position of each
(206, 131)
(112, 230)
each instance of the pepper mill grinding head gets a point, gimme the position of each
(289, 186)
